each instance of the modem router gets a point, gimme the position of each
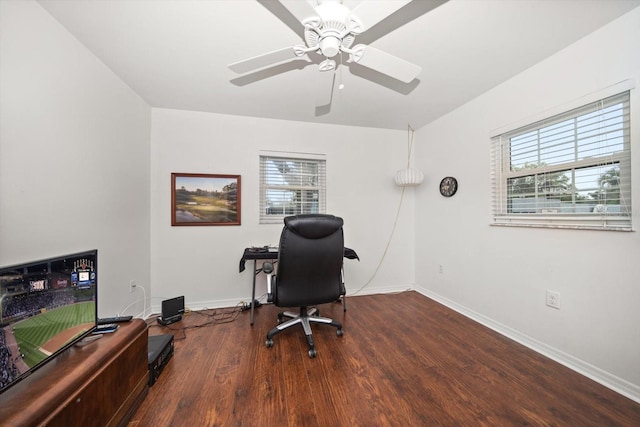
(172, 310)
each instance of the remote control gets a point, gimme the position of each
(116, 319)
(105, 329)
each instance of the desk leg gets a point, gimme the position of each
(253, 288)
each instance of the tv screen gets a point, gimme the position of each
(45, 307)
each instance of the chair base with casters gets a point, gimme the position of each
(304, 318)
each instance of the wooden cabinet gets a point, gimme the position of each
(98, 384)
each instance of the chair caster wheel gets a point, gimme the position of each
(280, 318)
(269, 342)
(312, 353)
(340, 332)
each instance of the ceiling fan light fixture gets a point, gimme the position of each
(330, 46)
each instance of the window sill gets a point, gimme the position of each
(564, 223)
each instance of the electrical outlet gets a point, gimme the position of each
(553, 299)
(132, 286)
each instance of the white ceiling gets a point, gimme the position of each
(174, 53)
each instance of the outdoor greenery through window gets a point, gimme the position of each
(572, 170)
(291, 186)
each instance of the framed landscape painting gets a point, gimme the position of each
(204, 199)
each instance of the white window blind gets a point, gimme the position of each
(572, 170)
(291, 186)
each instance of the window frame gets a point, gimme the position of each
(303, 204)
(503, 173)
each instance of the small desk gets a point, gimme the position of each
(271, 254)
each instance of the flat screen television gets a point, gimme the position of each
(45, 307)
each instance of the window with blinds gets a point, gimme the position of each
(291, 186)
(572, 170)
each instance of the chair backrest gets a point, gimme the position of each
(309, 261)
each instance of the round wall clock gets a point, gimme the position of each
(448, 186)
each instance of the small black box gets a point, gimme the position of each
(172, 310)
(160, 351)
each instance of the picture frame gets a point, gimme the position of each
(199, 199)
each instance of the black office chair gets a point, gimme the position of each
(309, 272)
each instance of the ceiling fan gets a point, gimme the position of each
(330, 28)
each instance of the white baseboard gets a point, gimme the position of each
(203, 305)
(607, 379)
(372, 290)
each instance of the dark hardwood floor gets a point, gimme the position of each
(404, 360)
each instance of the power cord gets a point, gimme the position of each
(384, 253)
(410, 133)
(216, 316)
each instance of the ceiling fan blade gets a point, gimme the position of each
(301, 9)
(324, 88)
(262, 61)
(372, 12)
(385, 63)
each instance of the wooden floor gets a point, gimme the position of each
(404, 360)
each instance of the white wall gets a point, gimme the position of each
(74, 156)
(202, 262)
(500, 275)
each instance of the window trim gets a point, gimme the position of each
(265, 218)
(501, 171)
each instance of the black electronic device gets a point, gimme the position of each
(105, 328)
(159, 353)
(46, 306)
(172, 310)
(115, 319)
